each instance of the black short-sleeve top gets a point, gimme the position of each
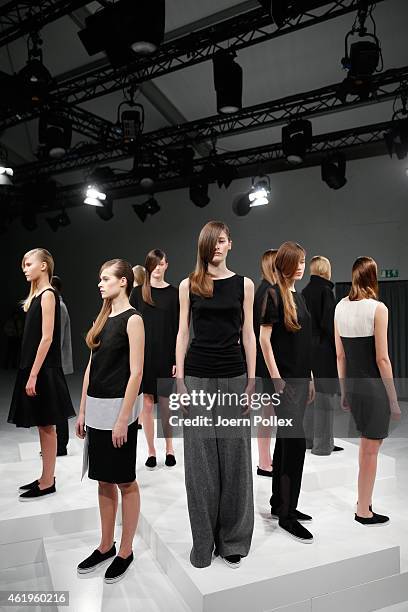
(215, 351)
(110, 364)
(292, 350)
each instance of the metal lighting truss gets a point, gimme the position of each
(18, 18)
(235, 33)
(356, 143)
(314, 103)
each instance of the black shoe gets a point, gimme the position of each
(95, 560)
(151, 463)
(264, 473)
(296, 531)
(337, 448)
(37, 493)
(30, 485)
(139, 426)
(170, 460)
(376, 519)
(62, 452)
(118, 569)
(298, 516)
(233, 561)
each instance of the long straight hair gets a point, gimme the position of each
(153, 258)
(44, 256)
(268, 266)
(364, 283)
(201, 282)
(121, 269)
(287, 260)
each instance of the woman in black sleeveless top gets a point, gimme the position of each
(41, 395)
(264, 433)
(217, 459)
(110, 404)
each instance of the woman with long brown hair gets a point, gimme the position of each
(41, 397)
(217, 460)
(110, 405)
(286, 340)
(158, 303)
(366, 377)
(264, 468)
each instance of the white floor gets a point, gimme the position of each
(348, 567)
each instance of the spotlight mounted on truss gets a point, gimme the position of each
(146, 170)
(258, 195)
(34, 78)
(130, 123)
(218, 171)
(296, 140)
(396, 139)
(54, 135)
(61, 220)
(6, 171)
(96, 194)
(150, 207)
(333, 170)
(227, 81)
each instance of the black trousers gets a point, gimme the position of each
(289, 453)
(62, 435)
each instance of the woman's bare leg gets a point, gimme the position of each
(368, 455)
(108, 505)
(148, 422)
(48, 442)
(130, 516)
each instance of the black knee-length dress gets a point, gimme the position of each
(108, 378)
(161, 323)
(364, 387)
(52, 404)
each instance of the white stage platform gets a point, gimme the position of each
(348, 567)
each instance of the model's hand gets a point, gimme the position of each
(312, 393)
(174, 371)
(80, 426)
(249, 391)
(279, 385)
(30, 386)
(119, 433)
(344, 403)
(181, 390)
(395, 411)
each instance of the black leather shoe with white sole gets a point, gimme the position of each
(95, 560)
(296, 531)
(118, 569)
(233, 561)
(375, 520)
(299, 516)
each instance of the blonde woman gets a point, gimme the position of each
(264, 468)
(139, 273)
(41, 397)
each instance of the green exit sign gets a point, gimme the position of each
(391, 273)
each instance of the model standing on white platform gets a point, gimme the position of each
(110, 404)
(41, 397)
(366, 378)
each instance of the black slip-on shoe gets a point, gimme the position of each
(375, 520)
(296, 531)
(337, 448)
(232, 561)
(264, 473)
(95, 560)
(170, 460)
(118, 569)
(151, 463)
(37, 493)
(298, 516)
(30, 485)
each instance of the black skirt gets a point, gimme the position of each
(50, 406)
(107, 463)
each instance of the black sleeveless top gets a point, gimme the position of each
(215, 351)
(33, 333)
(110, 367)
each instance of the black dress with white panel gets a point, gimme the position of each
(365, 390)
(108, 379)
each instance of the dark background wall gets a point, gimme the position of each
(367, 217)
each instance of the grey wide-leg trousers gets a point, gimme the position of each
(218, 476)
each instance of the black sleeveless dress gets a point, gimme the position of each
(216, 351)
(52, 404)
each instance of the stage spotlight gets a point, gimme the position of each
(282, 10)
(146, 32)
(35, 77)
(296, 140)
(6, 171)
(198, 192)
(396, 139)
(54, 135)
(61, 220)
(150, 207)
(260, 191)
(227, 82)
(94, 197)
(241, 204)
(147, 171)
(333, 170)
(181, 159)
(105, 212)
(220, 172)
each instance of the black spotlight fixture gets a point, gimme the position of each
(241, 204)
(150, 207)
(34, 78)
(96, 195)
(198, 191)
(180, 159)
(54, 135)
(396, 139)
(146, 169)
(227, 82)
(125, 30)
(6, 171)
(130, 123)
(333, 170)
(105, 212)
(296, 140)
(282, 10)
(61, 220)
(218, 171)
